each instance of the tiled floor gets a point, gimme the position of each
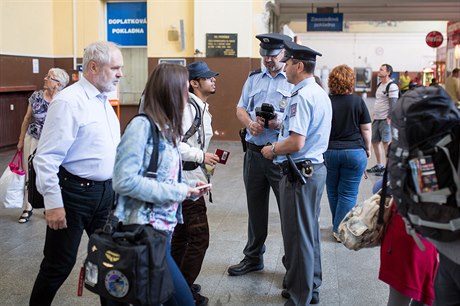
(349, 277)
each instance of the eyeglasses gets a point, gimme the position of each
(47, 77)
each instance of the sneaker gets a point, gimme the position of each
(376, 169)
(200, 300)
(380, 173)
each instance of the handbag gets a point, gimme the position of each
(12, 183)
(127, 263)
(364, 225)
(35, 198)
(360, 228)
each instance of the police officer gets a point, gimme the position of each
(266, 85)
(303, 139)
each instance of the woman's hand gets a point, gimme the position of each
(20, 145)
(196, 192)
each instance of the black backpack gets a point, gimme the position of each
(423, 163)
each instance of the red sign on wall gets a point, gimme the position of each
(434, 39)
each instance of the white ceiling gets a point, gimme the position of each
(378, 10)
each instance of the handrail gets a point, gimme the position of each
(18, 88)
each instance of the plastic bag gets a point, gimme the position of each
(12, 183)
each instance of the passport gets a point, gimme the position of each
(223, 156)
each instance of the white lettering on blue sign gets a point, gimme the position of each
(128, 21)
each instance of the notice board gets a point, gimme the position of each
(221, 45)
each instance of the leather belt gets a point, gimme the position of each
(66, 175)
(254, 147)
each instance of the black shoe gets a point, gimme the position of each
(375, 169)
(314, 299)
(244, 267)
(200, 300)
(195, 288)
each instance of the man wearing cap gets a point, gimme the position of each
(266, 85)
(190, 240)
(304, 137)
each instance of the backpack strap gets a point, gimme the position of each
(387, 89)
(153, 165)
(196, 122)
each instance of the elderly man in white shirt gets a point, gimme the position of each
(74, 165)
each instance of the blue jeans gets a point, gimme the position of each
(344, 171)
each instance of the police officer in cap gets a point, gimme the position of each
(267, 85)
(304, 137)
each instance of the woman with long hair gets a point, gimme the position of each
(144, 200)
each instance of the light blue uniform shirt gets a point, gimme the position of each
(81, 133)
(263, 88)
(308, 113)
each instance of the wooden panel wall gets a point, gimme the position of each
(17, 71)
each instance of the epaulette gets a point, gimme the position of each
(255, 72)
(295, 93)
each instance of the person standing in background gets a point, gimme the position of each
(453, 86)
(53, 82)
(266, 85)
(381, 131)
(404, 82)
(349, 144)
(74, 165)
(303, 139)
(190, 240)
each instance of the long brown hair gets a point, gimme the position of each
(165, 96)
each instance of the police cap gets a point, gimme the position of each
(271, 44)
(299, 52)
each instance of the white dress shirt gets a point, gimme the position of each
(81, 133)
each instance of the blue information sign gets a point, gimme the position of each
(127, 23)
(325, 22)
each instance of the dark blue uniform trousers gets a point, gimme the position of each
(300, 210)
(259, 175)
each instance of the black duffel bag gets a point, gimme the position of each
(128, 265)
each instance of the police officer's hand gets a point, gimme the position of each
(211, 159)
(274, 124)
(55, 218)
(267, 152)
(256, 127)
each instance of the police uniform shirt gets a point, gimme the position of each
(308, 113)
(263, 88)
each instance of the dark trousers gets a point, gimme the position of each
(447, 283)
(191, 239)
(86, 205)
(300, 210)
(259, 175)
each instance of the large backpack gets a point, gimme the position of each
(423, 163)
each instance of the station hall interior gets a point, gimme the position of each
(36, 35)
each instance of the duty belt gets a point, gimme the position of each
(305, 167)
(254, 147)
